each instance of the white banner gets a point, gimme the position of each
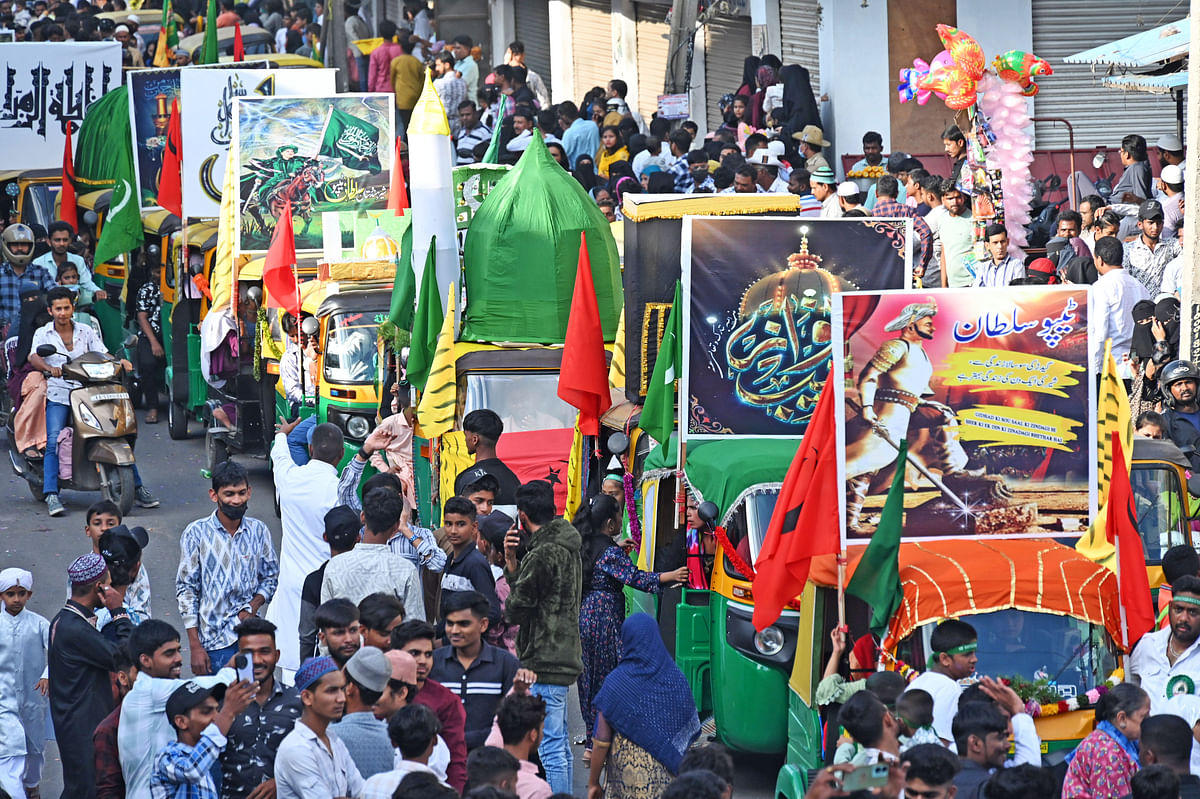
(206, 103)
(47, 87)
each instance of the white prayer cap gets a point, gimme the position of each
(13, 577)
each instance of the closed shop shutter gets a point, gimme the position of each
(652, 49)
(726, 45)
(799, 30)
(1098, 115)
(533, 31)
(591, 43)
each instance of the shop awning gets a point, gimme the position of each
(1155, 46)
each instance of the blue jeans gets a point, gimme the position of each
(217, 658)
(57, 417)
(299, 439)
(555, 749)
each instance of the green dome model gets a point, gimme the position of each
(522, 253)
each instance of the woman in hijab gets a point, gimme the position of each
(749, 70)
(651, 169)
(660, 183)
(645, 718)
(621, 186)
(585, 172)
(799, 104)
(766, 77)
(1155, 344)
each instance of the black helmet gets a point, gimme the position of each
(1174, 372)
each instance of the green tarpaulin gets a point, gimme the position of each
(522, 251)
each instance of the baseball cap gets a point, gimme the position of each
(847, 189)
(494, 527)
(1150, 209)
(823, 174)
(1171, 173)
(342, 523)
(1169, 142)
(137, 533)
(190, 694)
(370, 668)
(1040, 271)
(895, 162)
(404, 666)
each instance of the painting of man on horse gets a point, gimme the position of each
(288, 177)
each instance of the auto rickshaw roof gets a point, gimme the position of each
(43, 175)
(1159, 449)
(952, 578)
(202, 234)
(160, 222)
(352, 301)
(95, 200)
(479, 359)
(252, 36)
(723, 472)
(284, 60)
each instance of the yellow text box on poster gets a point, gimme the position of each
(983, 369)
(998, 425)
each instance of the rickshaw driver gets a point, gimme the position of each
(1166, 662)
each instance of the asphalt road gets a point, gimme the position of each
(32, 540)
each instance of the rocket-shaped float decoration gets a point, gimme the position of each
(431, 189)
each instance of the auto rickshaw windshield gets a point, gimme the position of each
(524, 402)
(1156, 491)
(748, 526)
(351, 354)
(1062, 652)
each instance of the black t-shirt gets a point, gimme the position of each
(496, 468)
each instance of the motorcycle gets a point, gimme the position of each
(1043, 212)
(104, 428)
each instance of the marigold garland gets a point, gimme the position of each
(1081, 702)
(635, 523)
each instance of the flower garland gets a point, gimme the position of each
(903, 669)
(635, 524)
(743, 568)
(1081, 702)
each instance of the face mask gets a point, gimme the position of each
(234, 512)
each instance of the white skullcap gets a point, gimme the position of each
(13, 577)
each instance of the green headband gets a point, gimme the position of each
(1190, 600)
(963, 649)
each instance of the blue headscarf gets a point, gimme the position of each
(646, 697)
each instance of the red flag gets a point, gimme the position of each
(583, 378)
(239, 51)
(398, 193)
(279, 267)
(170, 180)
(1121, 528)
(805, 522)
(68, 211)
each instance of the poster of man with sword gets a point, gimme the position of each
(989, 391)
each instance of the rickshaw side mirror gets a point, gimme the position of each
(1098, 160)
(90, 218)
(708, 511)
(310, 326)
(153, 251)
(46, 350)
(618, 443)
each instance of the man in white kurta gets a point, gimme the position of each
(24, 638)
(305, 494)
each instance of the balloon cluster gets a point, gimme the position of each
(955, 72)
(1004, 105)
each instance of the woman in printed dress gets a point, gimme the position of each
(1105, 762)
(607, 569)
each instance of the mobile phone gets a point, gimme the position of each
(243, 664)
(865, 777)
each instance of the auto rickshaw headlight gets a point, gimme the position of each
(769, 642)
(358, 427)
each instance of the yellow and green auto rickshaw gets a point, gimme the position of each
(30, 196)
(187, 268)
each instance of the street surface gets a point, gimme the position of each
(171, 469)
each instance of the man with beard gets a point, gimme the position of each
(891, 389)
(1178, 382)
(1166, 662)
(338, 629)
(144, 728)
(227, 571)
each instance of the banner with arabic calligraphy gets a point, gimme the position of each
(47, 87)
(206, 101)
(472, 184)
(757, 296)
(990, 387)
(324, 154)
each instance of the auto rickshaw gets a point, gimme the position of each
(254, 40)
(184, 305)
(30, 195)
(1166, 500)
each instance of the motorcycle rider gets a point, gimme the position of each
(70, 340)
(16, 254)
(1178, 382)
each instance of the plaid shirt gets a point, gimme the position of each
(1148, 265)
(683, 176)
(185, 772)
(889, 207)
(10, 289)
(220, 573)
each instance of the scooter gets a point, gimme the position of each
(104, 428)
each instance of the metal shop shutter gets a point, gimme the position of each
(591, 43)
(726, 45)
(1099, 115)
(533, 31)
(652, 50)
(799, 28)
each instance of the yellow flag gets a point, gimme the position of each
(435, 412)
(616, 367)
(1112, 415)
(575, 473)
(220, 280)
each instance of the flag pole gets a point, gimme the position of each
(1117, 560)
(841, 589)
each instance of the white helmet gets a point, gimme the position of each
(16, 234)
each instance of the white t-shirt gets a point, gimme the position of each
(945, 693)
(84, 339)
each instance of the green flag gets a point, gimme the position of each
(430, 315)
(492, 156)
(404, 285)
(355, 142)
(658, 412)
(97, 160)
(876, 580)
(122, 228)
(211, 54)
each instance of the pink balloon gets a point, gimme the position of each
(941, 60)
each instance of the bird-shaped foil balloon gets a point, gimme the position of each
(1020, 67)
(951, 81)
(909, 78)
(967, 53)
